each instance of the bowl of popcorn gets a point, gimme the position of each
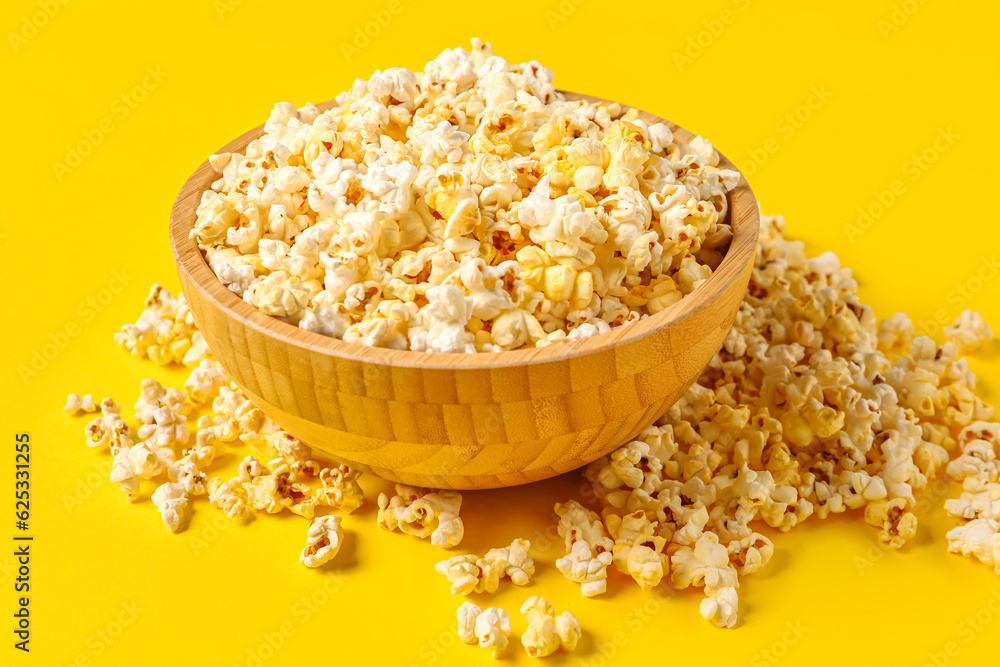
(463, 277)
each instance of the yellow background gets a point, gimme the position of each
(111, 586)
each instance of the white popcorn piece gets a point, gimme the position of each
(470, 574)
(968, 332)
(467, 615)
(76, 405)
(720, 607)
(586, 567)
(546, 632)
(323, 540)
(493, 630)
(203, 385)
(171, 500)
(979, 538)
(227, 497)
(513, 562)
(132, 464)
(109, 429)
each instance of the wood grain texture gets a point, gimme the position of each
(465, 421)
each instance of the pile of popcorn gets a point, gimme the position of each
(811, 407)
(467, 207)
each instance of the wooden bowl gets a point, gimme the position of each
(465, 421)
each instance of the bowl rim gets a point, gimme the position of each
(191, 264)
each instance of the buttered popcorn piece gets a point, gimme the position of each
(323, 540)
(968, 332)
(163, 331)
(468, 612)
(466, 207)
(76, 405)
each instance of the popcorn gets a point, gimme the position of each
(203, 385)
(546, 632)
(979, 538)
(414, 512)
(79, 404)
(471, 574)
(493, 630)
(513, 562)
(340, 489)
(163, 331)
(323, 540)
(172, 501)
(968, 332)
(720, 607)
(467, 615)
(109, 429)
(810, 407)
(227, 497)
(461, 167)
(586, 566)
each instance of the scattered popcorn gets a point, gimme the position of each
(546, 632)
(811, 407)
(471, 574)
(968, 332)
(164, 330)
(322, 540)
(79, 404)
(423, 514)
(434, 213)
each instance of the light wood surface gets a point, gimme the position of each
(465, 421)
